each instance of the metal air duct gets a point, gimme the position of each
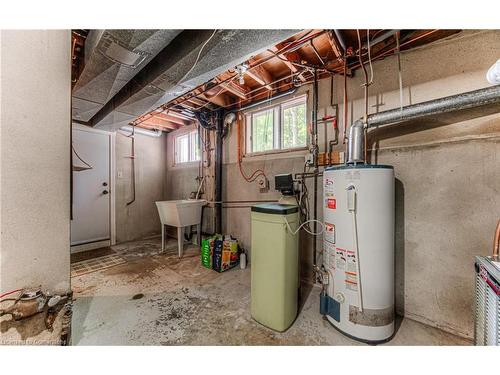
(487, 100)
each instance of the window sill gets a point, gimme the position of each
(188, 164)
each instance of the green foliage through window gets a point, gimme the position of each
(283, 126)
(262, 131)
(294, 126)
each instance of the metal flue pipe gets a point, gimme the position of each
(463, 101)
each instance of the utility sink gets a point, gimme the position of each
(180, 213)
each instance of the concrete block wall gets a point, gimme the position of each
(447, 180)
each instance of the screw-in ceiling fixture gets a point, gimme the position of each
(241, 70)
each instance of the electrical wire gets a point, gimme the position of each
(11, 292)
(305, 228)
(78, 156)
(369, 55)
(256, 173)
(197, 57)
(400, 77)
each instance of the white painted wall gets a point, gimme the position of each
(35, 85)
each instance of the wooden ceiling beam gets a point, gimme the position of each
(261, 76)
(334, 43)
(196, 101)
(234, 89)
(178, 115)
(173, 119)
(159, 122)
(218, 99)
(151, 127)
(188, 105)
(285, 61)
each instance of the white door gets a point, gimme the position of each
(91, 187)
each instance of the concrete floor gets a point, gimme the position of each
(157, 299)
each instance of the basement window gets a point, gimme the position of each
(187, 148)
(277, 128)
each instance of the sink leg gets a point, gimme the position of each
(198, 234)
(162, 237)
(180, 240)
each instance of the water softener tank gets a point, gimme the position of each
(358, 251)
(274, 265)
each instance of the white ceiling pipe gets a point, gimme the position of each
(127, 130)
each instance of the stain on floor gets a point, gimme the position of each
(182, 303)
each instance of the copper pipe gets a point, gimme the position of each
(496, 242)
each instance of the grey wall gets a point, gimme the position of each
(139, 219)
(448, 179)
(35, 159)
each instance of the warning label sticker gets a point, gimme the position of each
(329, 187)
(330, 255)
(330, 232)
(351, 261)
(351, 276)
(340, 258)
(331, 203)
(351, 284)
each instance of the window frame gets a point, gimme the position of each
(192, 136)
(278, 109)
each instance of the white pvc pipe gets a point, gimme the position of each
(493, 75)
(150, 133)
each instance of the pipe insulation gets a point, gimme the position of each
(489, 96)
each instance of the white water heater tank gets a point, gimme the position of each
(358, 254)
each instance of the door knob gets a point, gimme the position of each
(105, 192)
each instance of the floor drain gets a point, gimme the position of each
(138, 296)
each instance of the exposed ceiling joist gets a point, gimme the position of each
(172, 119)
(160, 122)
(285, 61)
(334, 43)
(239, 91)
(197, 101)
(220, 99)
(178, 115)
(261, 76)
(269, 70)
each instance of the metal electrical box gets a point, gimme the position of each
(274, 265)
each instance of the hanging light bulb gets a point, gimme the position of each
(241, 70)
